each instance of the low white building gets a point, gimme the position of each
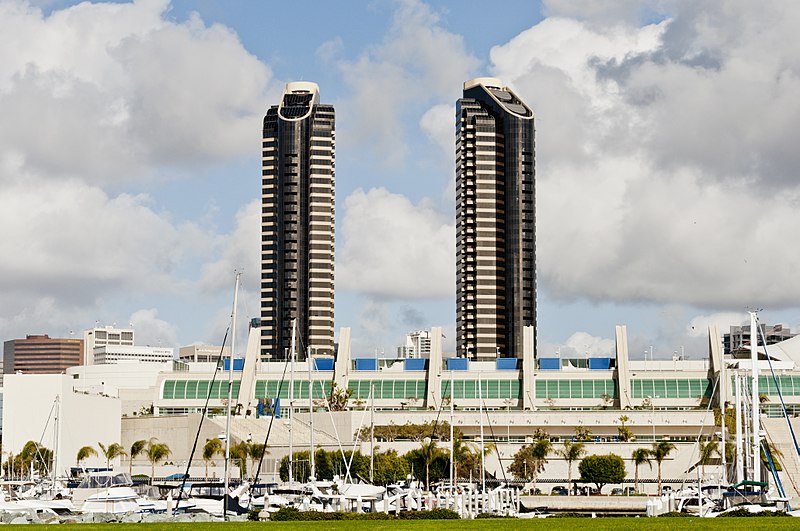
(104, 335)
(118, 353)
(33, 402)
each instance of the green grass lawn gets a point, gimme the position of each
(548, 524)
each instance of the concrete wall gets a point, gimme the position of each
(85, 419)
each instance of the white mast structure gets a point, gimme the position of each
(309, 361)
(291, 405)
(755, 405)
(230, 396)
(452, 441)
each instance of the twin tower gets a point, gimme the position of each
(495, 223)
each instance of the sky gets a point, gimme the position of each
(666, 162)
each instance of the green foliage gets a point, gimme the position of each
(390, 467)
(433, 514)
(602, 470)
(327, 464)
(743, 512)
(429, 462)
(156, 452)
(583, 434)
(338, 398)
(85, 452)
(415, 432)
(292, 514)
(112, 451)
(530, 460)
(31, 454)
(659, 453)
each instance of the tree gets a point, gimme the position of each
(624, 432)
(530, 460)
(429, 460)
(240, 452)
(602, 470)
(112, 451)
(390, 467)
(85, 452)
(338, 399)
(708, 449)
(571, 452)
(136, 449)
(640, 456)
(659, 453)
(466, 459)
(256, 452)
(33, 456)
(156, 452)
(210, 449)
(583, 434)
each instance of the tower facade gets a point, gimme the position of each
(297, 228)
(495, 221)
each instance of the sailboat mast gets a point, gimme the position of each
(723, 385)
(483, 443)
(754, 408)
(739, 429)
(291, 403)
(56, 452)
(371, 432)
(452, 441)
(309, 361)
(230, 395)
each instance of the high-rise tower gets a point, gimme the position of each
(495, 221)
(298, 182)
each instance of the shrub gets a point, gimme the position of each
(433, 514)
(742, 512)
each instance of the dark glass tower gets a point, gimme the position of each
(297, 240)
(495, 221)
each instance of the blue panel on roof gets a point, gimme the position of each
(366, 364)
(323, 364)
(506, 364)
(550, 364)
(238, 364)
(599, 364)
(457, 364)
(415, 364)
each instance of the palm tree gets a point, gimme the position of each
(136, 449)
(240, 452)
(113, 451)
(85, 452)
(156, 452)
(256, 452)
(571, 453)
(660, 452)
(707, 451)
(530, 460)
(640, 456)
(212, 447)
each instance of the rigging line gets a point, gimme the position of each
(700, 434)
(765, 443)
(202, 417)
(44, 431)
(358, 433)
(778, 388)
(271, 419)
(491, 430)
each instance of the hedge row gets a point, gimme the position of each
(293, 514)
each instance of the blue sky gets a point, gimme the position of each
(666, 169)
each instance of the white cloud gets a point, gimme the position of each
(107, 91)
(152, 331)
(418, 63)
(393, 248)
(698, 326)
(665, 164)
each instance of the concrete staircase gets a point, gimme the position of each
(779, 435)
(242, 427)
